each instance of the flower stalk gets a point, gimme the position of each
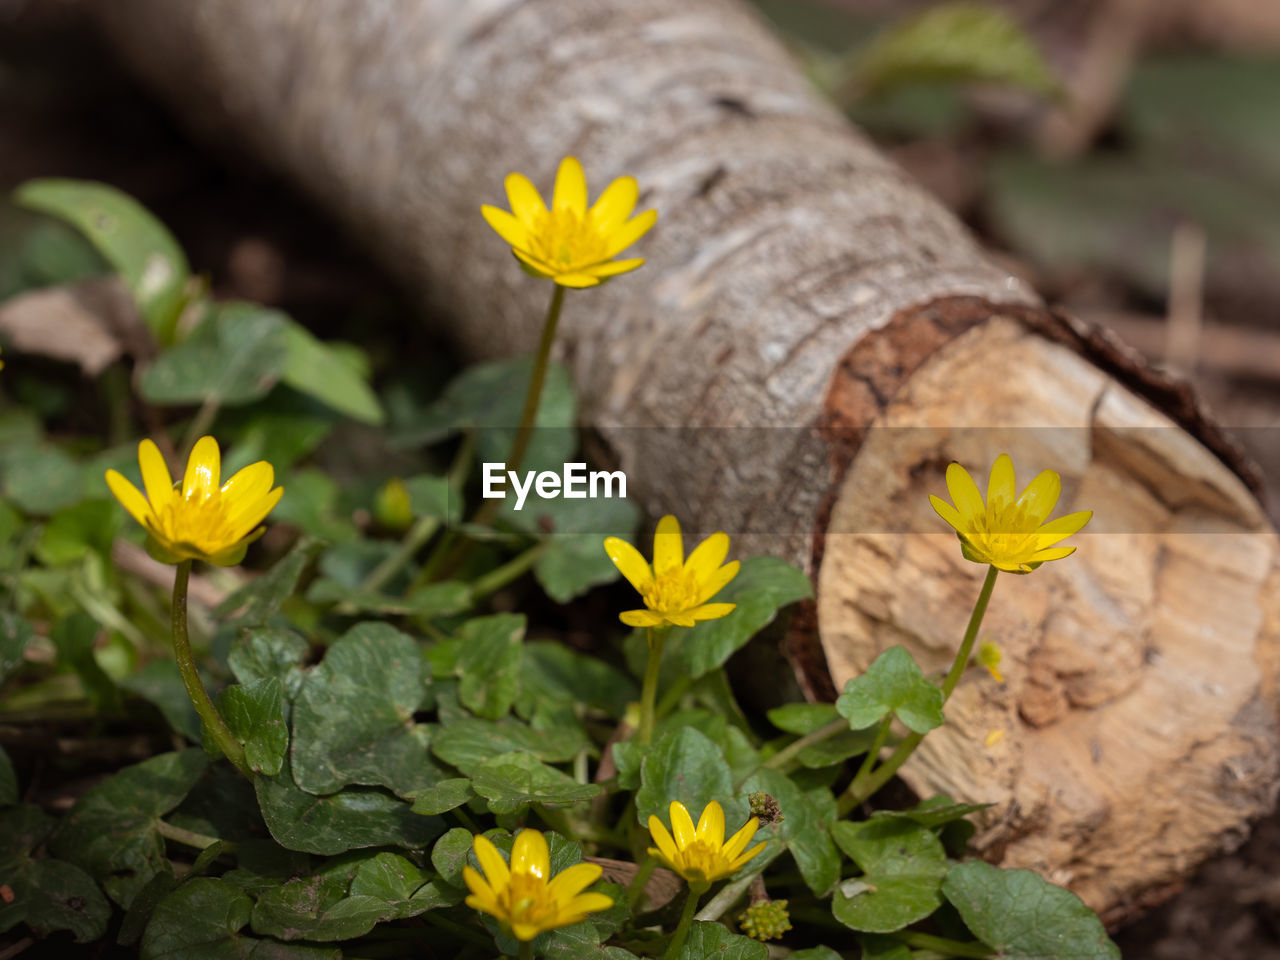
(209, 715)
(686, 921)
(649, 692)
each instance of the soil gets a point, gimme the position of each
(67, 110)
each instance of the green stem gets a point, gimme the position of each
(857, 791)
(649, 692)
(794, 749)
(188, 838)
(526, 946)
(421, 531)
(873, 755)
(951, 948)
(213, 722)
(499, 577)
(686, 921)
(679, 687)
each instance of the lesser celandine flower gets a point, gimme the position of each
(675, 590)
(571, 243)
(524, 896)
(701, 854)
(1009, 531)
(199, 520)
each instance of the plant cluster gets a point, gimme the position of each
(362, 755)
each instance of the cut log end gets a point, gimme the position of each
(1135, 732)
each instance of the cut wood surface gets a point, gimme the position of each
(801, 291)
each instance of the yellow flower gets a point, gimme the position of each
(675, 590)
(524, 896)
(198, 521)
(1008, 532)
(572, 244)
(701, 855)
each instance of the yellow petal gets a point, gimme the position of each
(740, 861)
(155, 475)
(1041, 496)
(631, 231)
(680, 618)
(508, 227)
(204, 468)
(495, 868)
(947, 512)
(668, 545)
(611, 268)
(570, 882)
(711, 611)
(577, 281)
(964, 493)
(529, 854)
(477, 884)
(716, 582)
(130, 497)
(615, 204)
(1061, 528)
(641, 618)
(1053, 553)
(629, 561)
(681, 825)
(540, 267)
(708, 555)
(527, 931)
(248, 484)
(711, 824)
(244, 517)
(571, 187)
(526, 202)
(666, 845)
(1001, 486)
(580, 906)
(741, 838)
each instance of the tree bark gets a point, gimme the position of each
(811, 341)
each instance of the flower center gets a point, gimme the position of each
(1005, 530)
(567, 240)
(201, 522)
(527, 900)
(700, 859)
(671, 591)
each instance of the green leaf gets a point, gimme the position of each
(254, 712)
(74, 638)
(877, 947)
(816, 953)
(428, 600)
(708, 940)
(489, 663)
(555, 672)
(467, 743)
(443, 796)
(261, 652)
(903, 865)
(761, 588)
(8, 781)
(262, 596)
(510, 781)
(961, 42)
(802, 718)
(685, 765)
(934, 812)
(160, 683)
(132, 240)
(893, 684)
(202, 919)
(311, 505)
(236, 355)
(806, 825)
(316, 369)
(1022, 916)
(449, 855)
(41, 479)
(573, 559)
(353, 818)
(353, 718)
(73, 532)
(15, 634)
(112, 830)
(433, 496)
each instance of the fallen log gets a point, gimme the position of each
(811, 341)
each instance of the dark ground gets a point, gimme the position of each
(66, 110)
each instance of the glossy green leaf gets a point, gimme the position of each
(762, 587)
(708, 940)
(160, 684)
(893, 684)
(316, 369)
(687, 766)
(132, 240)
(41, 479)
(554, 671)
(878, 947)
(236, 355)
(203, 919)
(443, 796)
(262, 596)
(449, 855)
(467, 743)
(254, 712)
(513, 780)
(958, 42)
(258, 653)
(112, 830)
(573, 559)
(89, 525)
(806, 826)
(802, 718)
(1022, 916)
(489, 658)
(903, 865)
(353, 717)
(934, 812)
